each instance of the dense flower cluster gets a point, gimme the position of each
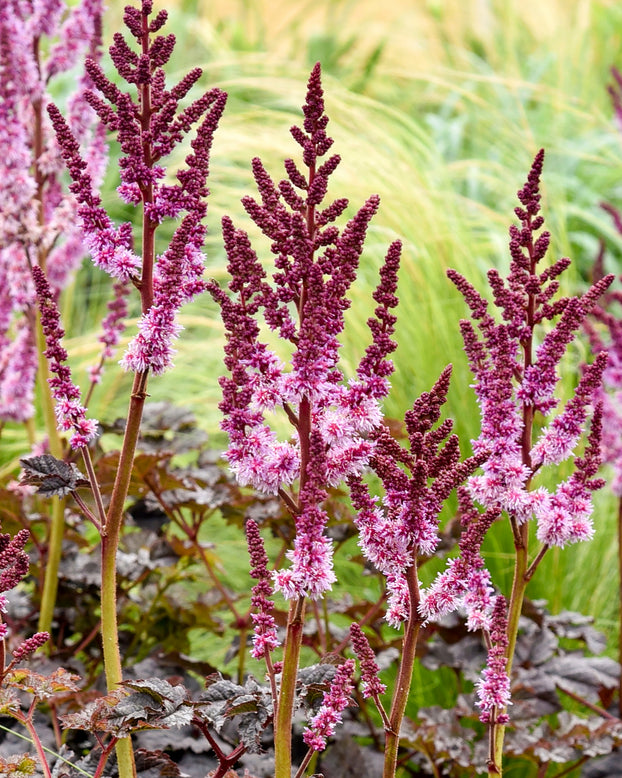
(70, 413)
(148, 127)
(372, 686)
(265, 638)
(37, 224)
(493, 688)
(14, 565)
(466, 582)
(336, 700)
(511, 383)
(332, 420)
(416, 484)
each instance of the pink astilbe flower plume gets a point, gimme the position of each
(336, 700)
(512, 383)
(14, 566)
(70, 413)
(265, 638)
(493, 688)
(416, 483)
(149, 123)
(372, 686)
(305, 301)
(466, 582)
(37, 224)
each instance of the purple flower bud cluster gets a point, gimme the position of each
(465, 583)
(148, 127)
(70, 413)
(14, 565)
(265, 637)
(493, 688)
(336, 700)
(416, 483)
(372, 686)
(37, 224)
(604, 329)
(29, 646)
(14, 562)
(512, 384)
(332, 420)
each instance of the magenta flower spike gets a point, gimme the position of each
(265, 638)
(14, 566)
(405, 526)
(315, 265)
(493, 688)
(37, 224)
(70, 413)
(336, 700)
(514, 380)
(149, 124)
(512, 383)
(372, 686)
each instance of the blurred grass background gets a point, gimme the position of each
(440, 108)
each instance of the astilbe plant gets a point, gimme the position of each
(149, 123)
(39, 42)
(514, 381)
(604, 330)
(397, 534)
(37, 227)
(14, 565)
(335, 429)
(331, 420)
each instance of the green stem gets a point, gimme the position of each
(285, 708)
(110, 545)
(114, 520)
(519, 585)
(404, 677)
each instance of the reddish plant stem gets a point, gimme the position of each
(225, 762)
(32, 731)
(595, 708)
(404, 676)
(103, 759)
(285, 708)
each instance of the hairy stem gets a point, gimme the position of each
(285, 709)
(32, 731)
